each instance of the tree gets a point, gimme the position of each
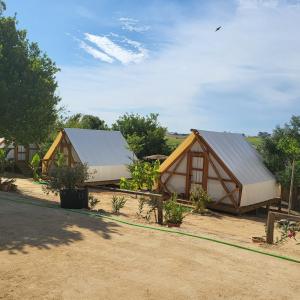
(2, 7)
(86, 122)
(144, 135)
(281, 153)
(27, 86)
(291, 148)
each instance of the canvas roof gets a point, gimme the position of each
(233, 149)
(100, 147)
(238, 155)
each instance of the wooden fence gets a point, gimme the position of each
(275, 216)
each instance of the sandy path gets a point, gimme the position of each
(222, 226)
(55, 254)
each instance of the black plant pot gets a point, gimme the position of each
(74, 198)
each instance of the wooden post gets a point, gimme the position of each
(270, 227)
(160, 218)
(279, 205)
(291, 187)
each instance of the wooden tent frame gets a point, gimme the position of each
(209, 156)
(59, 143)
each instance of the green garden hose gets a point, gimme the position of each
(99, 215)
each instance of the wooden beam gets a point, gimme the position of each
(176, 173)
(222, 182)
(205, 171)
(227, 195)
(224, 179)
(188, 174)
(197, 169)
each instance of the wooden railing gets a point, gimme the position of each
(275, 216)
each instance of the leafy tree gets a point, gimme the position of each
(281, 153)
(85, 122)
(263, 134)
(144, 135)
(143, 176)
(27, 86)
(2, 7)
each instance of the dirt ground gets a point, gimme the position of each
(219, 225)
(48, 253)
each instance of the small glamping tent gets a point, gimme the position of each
(225, 165)
(105, 152)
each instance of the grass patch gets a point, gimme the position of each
(254, 140)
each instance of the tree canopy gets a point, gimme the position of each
(144, 135)
(85, 122)
(27, 86)
(282, 147)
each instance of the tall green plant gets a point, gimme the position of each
(3, 161)
(35, 164)
(143, 176)
(200, 199)
(174, 212)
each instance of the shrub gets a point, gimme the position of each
(35, 164)
(174, 212)
(64, 177)
(93, 201)
(143, 176)
(117, 203)
(151, 204)
(200, 199)
(3, 160)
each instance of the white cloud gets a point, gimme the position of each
(112, 49)
(244, 77)
(133, 25)
(95, 53)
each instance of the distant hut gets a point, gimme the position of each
(21, 155)
(105, 152)
(225, 165)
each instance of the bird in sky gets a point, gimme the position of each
(218, 28)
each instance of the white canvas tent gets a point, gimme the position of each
(225, 165)
(105, 152)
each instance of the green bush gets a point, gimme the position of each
(117, 203)
(3, 161)
(174, 212)
(35, 164)
(200, 199)
(143, 176)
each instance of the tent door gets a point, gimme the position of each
(196, 171)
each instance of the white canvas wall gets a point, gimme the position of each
(107, 173)
(259, 192)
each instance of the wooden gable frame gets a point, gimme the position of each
(59, 143)
(208, 153)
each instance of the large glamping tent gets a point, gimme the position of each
(225, 165)
(105, 152)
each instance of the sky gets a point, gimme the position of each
(165, 57)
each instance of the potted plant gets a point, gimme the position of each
(68, 182)
(174, 212)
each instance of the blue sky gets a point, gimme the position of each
(165, 57)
